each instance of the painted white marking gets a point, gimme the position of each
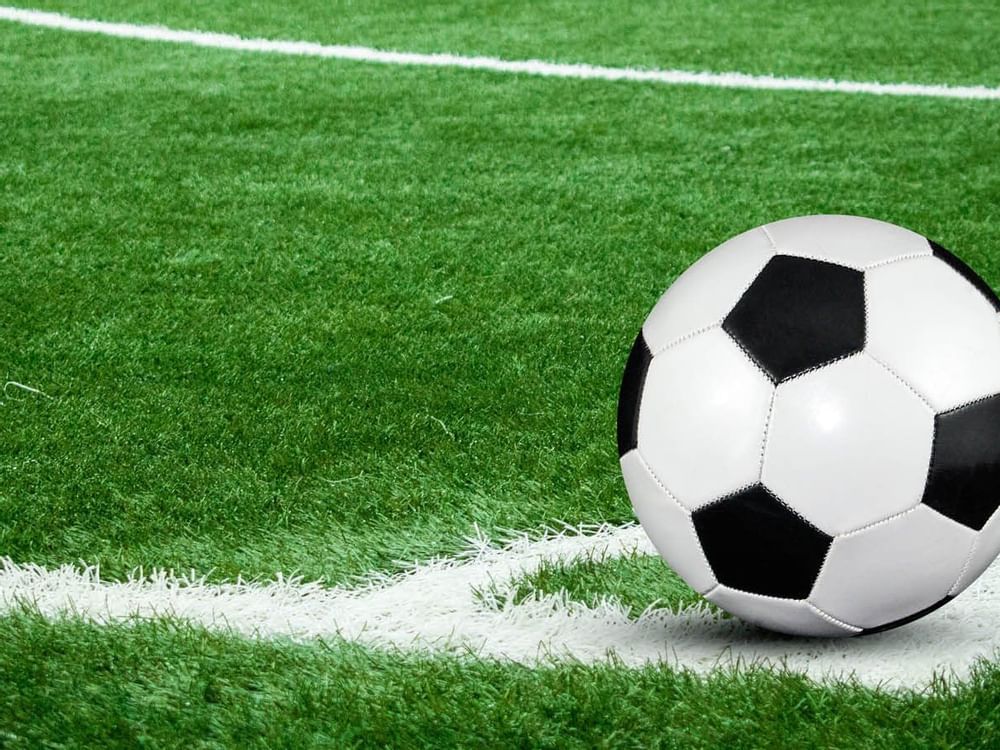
(529, 67)
(432, 607)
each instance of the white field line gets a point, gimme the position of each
(530, 67)
(433, 608)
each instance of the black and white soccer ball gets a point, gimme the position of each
(809, 426)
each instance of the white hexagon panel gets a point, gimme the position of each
(701, 420)
(793, 616)
(935, 329)
(707, 291)
(848, 445)
(982, 556)
(851, 241)
(893, 570)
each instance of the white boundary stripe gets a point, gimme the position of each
(433, 608)
(531, 67)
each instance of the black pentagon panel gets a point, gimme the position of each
(966, 273)
(964, 479)
(908, 619)
(799, 314)
(630, 395)
(756, 543)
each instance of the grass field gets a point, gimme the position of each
(292, 315)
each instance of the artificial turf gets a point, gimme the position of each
(637, 582)
(311, 316)
(944, 42)
(69, 684)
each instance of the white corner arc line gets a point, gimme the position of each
(497, 65)
(432, 608)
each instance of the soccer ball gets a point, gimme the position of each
(809, 426)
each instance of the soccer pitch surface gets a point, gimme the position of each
(296, 336)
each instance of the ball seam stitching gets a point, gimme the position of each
(830, 618)
(686, 337)
(684, 509)
(897, 259)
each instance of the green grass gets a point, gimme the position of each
(636, 581)
(164, 685)
(227, 272)
(303, 315)
(943, 42)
